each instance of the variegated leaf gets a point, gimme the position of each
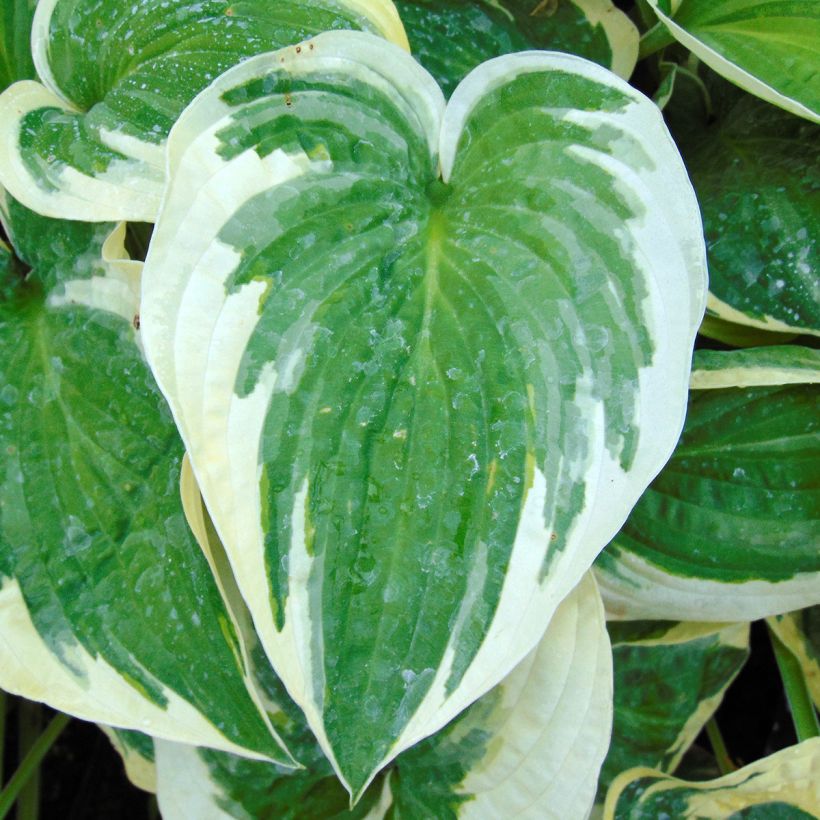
(784, 785)
(730, 528)
(800, 634)
(418, 404)
(15, 35)
(90, 142)
(530, 748)
(767, 47)
(451, 37)
(670, 677)
(107, 607)
(756, 170)
(759, 367)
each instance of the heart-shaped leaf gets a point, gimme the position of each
(424, 361)
(107, 607)
(451, 37)
(531, 747)
(729, 529)
(767, 47)
(90, 143)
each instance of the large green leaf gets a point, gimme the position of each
(783, 786)
(756, 170)
(767, 47)
(107, 607)
(451, 37)
(730, 528)
(418, 405)
(669, 680)
(531, 747)
(90, 143)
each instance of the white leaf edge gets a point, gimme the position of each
(678, 294)
(141, 771)
(731, 71)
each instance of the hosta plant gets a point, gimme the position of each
(331, 368)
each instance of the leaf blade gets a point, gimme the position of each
(332, 432)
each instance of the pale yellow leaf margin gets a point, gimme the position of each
(791, 776)
(621, 33)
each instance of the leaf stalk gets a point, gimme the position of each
(31, 762)
(803, 712)
(654, 40)
(724, 762)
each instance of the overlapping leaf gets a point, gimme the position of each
(107, 607)
(730, 528)
(767, 47)
(531, 747)
(756, 170)
(451, 37)
(533, 744)
(669, 679)
(418, 405)
(783, 785)
(89, 143)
